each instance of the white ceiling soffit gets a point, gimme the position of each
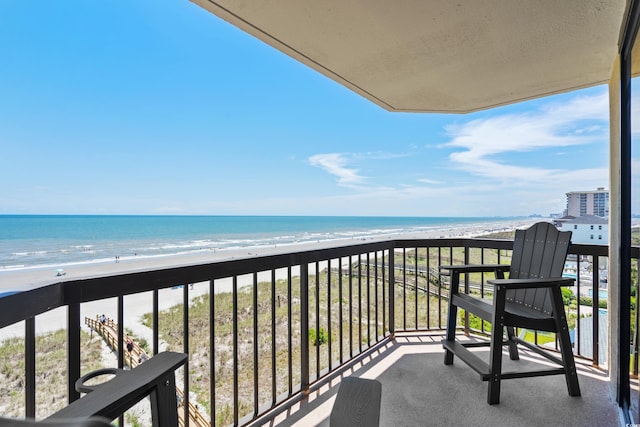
(440, 55)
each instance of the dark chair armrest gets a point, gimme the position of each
(89, 422)
(117, 395)
(473, 268)
(532, 283)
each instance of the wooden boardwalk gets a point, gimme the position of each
(108, 330)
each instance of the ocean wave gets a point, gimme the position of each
(37, 253)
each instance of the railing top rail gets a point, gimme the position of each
(455, 242)
(20, 306)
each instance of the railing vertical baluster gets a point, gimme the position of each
(593, 306)
(235, 351)
(120, 314)
(636, 322)
(120, 343)
(428, 275)
(289, 332)
(385, 310)
(440, 289)
(340, 325)
(274, 387)
(595, 286)
(392, 302)
(73, 350)
(466, 290)
(376, 282)
(155, 323)
(212, 347)
(451, 261)
(416, 289)
(317, 305)
(404, 289)
(360, 303)
(30, 366)
(255, 344)
(329, 316)
(482, 276)
(350, 306)
(185, 349)
(482, 285)
(304, 328)
(368, 301)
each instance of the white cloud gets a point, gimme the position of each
(500, 180)
(582, 107)
(555, 125)
(430, 181)
(336, 164)
(341, 166)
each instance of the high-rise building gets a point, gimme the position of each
(581, 203)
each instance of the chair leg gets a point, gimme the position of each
(451, 332)
(495, 352)
(570, 373)
(451, 317)
(513, 345)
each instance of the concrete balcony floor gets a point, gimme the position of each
(419, 390)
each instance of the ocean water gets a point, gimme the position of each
(31, 241)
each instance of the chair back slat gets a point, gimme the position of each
(538, 252)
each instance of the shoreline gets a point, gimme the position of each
(26, 278)
(136, 305)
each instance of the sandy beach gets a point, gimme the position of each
(137, 305)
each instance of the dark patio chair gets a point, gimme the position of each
(530, 298)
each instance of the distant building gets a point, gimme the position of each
(581, 203)
(587, 229)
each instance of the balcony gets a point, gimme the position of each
(269, 337)
(417, 389)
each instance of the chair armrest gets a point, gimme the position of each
(532, 283)
(127, 388)
(473, 268)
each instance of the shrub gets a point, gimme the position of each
(319, 338)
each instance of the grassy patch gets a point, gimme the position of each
(543, 337)
(51, 373)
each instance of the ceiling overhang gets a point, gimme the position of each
(440, 55)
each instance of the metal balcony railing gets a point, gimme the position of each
(269, 329)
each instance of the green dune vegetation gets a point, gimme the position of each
(51, 374)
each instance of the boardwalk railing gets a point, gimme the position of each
(108, 330)
(263, 332)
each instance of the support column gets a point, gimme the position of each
(615, 217)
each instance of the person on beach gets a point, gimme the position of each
(143, 358)
(103, 319)
(129, 345)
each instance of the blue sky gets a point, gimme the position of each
(122, 108)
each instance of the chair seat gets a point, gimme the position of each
(516, 314)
